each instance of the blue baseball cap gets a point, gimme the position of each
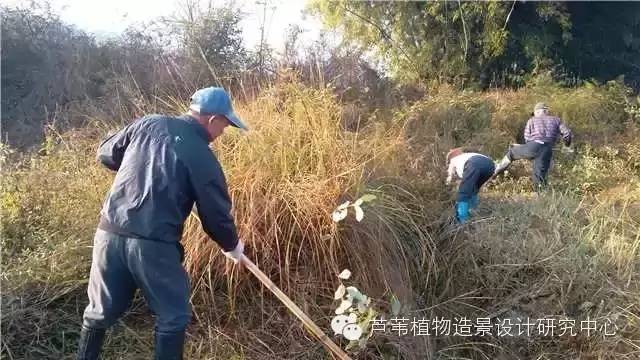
(215, 101)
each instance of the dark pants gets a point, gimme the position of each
(477, 171)
(120, 266)
(541, 155)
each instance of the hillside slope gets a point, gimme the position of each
(571, 253)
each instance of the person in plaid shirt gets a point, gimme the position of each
(540, 134)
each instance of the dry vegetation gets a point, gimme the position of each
(573, 252)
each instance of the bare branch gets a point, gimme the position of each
(509, 15)
(464, 29)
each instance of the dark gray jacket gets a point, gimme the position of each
(163, 166)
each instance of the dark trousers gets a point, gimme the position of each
(120, 266)
(477, 171)
(541, 155)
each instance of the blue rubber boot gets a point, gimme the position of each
(473, 203)
(462, 211)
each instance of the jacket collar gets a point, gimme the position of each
(202, 132)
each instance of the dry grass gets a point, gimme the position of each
(551, 256)
(521, 255)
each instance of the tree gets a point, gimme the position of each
(492, 43)
(449, 41)
(43, 68)
(211, 39)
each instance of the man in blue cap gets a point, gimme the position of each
(164, 165)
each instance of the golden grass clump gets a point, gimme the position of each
(286, 176)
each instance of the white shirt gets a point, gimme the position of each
(456, 165)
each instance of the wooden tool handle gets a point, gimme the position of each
(315, 330)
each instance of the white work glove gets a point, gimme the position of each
(235, 254)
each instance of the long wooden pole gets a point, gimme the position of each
(315, 330)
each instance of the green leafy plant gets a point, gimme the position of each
(341, 211)
(354, 308)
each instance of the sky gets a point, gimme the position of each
(108, 17)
